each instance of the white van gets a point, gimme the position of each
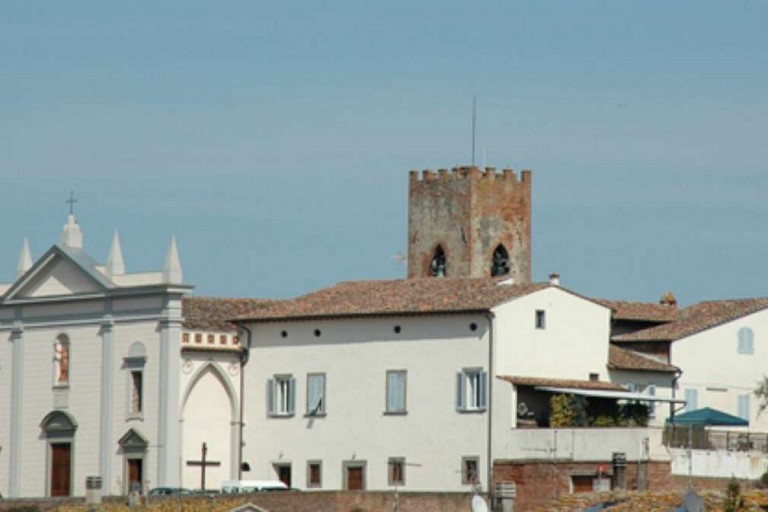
(246, 486)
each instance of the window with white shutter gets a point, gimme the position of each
(281, 395)
(691, 399)
(743, 406)
(316, 394)
(396, 385)
(471, 390)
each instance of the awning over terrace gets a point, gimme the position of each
(605, 393)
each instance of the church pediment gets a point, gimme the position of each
(58, 422)
(59, 273)
(133, 440)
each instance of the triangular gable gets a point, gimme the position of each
(133, 440)
(548, 288)
(59, 272)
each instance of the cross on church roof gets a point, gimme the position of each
(71, 201)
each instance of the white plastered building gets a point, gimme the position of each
(414, 384)
(720, 347)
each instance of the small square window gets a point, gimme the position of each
(541, 319)
(470, 470)
(314, 474)
(396, 471)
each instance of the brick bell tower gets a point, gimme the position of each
(469, 222)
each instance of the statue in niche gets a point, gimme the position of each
(61, 360)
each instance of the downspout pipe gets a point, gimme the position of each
(491, 378)
(672, 410)
(244, 357)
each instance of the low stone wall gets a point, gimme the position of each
(319, 501)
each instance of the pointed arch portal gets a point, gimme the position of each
(210, 414)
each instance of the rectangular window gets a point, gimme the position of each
(314, 474)
(470, 470)
(746, 341)
(471, 390)
(316, 394)
(743, 407)
(541, 319)
(691, 399)
(396, 471)
(137, 392)
(396, 381)
(281, 395)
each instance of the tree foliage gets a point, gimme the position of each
(761, 392)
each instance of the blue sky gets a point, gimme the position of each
(275, 139)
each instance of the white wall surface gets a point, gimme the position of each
(355, 355)
(573, 344)
(718, 463)
(81, 321)
(582, 444)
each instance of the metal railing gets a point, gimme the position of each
(697, 438)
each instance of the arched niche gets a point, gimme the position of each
(437, 266)
(500, 261)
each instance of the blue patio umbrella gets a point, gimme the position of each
(707, 416)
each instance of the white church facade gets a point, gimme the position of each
(98, 371)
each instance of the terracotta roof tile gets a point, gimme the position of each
(641, 311)
(623, 359)
(403, 296)
(697, 318)
(562, 383)
(214, 313)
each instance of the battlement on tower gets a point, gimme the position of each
(469, 222)
(469, 172)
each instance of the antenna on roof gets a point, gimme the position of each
(474, 125)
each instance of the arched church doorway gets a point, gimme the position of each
(59, 430)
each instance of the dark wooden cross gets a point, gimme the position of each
(71, 201)
(203, 463)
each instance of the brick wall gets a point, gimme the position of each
(541, 482)
(469, 212)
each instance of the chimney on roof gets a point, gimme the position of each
(668, 299)
(554, 279)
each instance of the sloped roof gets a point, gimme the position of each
(561, 383)
(641, 311)
(391, 297)
(697, 318)
(214, 313)
(623, 359)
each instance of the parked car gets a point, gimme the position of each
(170, 491)
(246, 486)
